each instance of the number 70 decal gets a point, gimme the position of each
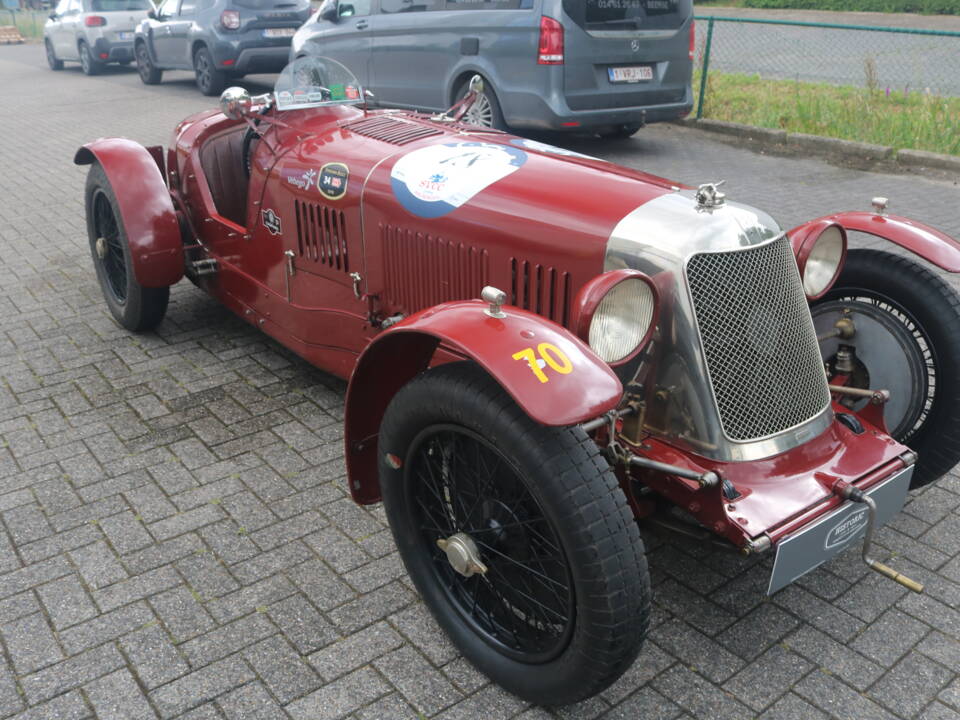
(550, 355)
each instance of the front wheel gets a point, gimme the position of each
(52, 60)
(149, 73)
(210, 80)
(907, 341)
(88, 63)
(517, 536)
(135, 307)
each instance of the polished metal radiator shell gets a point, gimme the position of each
(758, 338)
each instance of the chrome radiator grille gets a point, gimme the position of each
(758, 338)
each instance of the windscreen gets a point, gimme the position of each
(628, 14)
(315, 82)
(119, 5)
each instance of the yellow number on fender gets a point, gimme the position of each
(551, 355)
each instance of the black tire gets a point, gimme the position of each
(210, 80)
(88, 63)
(486, 110)
(135, 307)
(553, 502)
(52, 60)
(923, 314)
(620, 132)
(149, 73)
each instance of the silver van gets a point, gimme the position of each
(605, 66)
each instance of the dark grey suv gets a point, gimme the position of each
(219, 40)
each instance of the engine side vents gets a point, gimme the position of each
(391, 129)
(422, 270)
(322, 236)
(539, 289)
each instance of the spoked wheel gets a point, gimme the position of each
(52, 60)
(907, 341)
(135, 307)
(517, 535)
(149, 73)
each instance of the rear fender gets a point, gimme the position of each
(923, 240)
(146, 209)
(565, 385)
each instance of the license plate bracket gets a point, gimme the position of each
(808, 549)
(630, 74)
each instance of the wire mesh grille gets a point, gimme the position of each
(759, 340)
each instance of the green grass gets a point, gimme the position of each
(926, 7)
(914, 120)
(28, 22)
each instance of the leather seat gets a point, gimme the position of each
(221, 158)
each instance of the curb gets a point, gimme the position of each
(860, 154)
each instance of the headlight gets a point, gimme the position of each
(616, 314)
(820, 247)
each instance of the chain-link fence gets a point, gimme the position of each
(889, 59)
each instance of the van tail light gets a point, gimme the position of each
(551, 42)
(693, 37)
(94, 21)
(230, 19)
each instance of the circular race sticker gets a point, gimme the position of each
(433, 181)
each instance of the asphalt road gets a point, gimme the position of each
(176, 539)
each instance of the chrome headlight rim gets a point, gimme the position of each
(821, 254)
(589, 305)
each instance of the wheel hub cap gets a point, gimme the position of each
(101, 248)
(463, 554)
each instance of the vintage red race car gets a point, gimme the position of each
(544, 348)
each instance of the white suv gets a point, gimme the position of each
(93, 32)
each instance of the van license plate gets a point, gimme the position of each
(279, 32)
(638, 73)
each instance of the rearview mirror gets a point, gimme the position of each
(330, 11)
(152, 14)
(53, 16)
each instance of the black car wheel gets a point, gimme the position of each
(485, 111)
(149, 74)
(133, 306)
(89, 64)
(210, 80)
(907, 341)
(52, 56)
(517, 536)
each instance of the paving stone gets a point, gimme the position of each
(200, 686)
(98, 565)
(282, 669)
(10, 701)
(163, 553)
(370, 607)
(126, 533)
(756, 631)
(837, 623)
(417, 624)
(31, 643)
(646, 703)
(18, 606)
(827, 653)
(251, 701)
(105, 627)
(837, 699)
(267, 563)
(248, 599)
(206, 575)
(791, 707)
(321, 585)
(182, 612)
(153, 656)
(71, 673)
(422, 685)
(939, 711)
(943, 649)
(185, 521)
(697, 696)
(27, 577)
(696, 650)
(66, 707)
(136, 588)
(227, 639)
(301, 624)
(340, 697)
(117, 697)
(768, 677)
(911, 684)
(355, 650)
(66, 601)
(389, 706)
(889, 637)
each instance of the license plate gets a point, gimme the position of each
(279, 32)
(637, 73)
(803, 551)
(124, 36)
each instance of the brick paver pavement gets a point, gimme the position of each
(176, 541)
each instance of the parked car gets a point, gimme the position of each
(92, 32)
(219, 40)
(594, 65)
(544, 348)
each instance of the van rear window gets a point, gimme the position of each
(270, 4)
(627, 14)
(119, 5)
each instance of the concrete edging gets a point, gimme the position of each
(850, 151)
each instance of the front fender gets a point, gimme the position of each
(146, 209)
(927, 242)
(500, 346)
